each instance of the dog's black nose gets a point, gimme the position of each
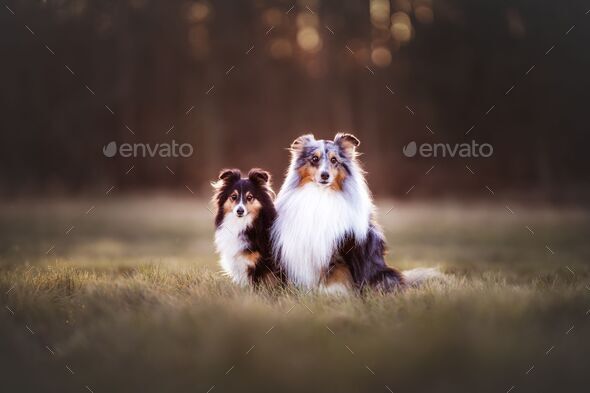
(325, 175)
(240, 211)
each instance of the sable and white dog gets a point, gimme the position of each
(325, 235)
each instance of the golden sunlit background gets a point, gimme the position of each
(239, 81)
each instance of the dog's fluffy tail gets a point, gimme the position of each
(416, 277)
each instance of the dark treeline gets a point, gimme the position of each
(257, 74)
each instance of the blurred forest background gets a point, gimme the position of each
(240, 80)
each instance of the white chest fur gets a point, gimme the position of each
(230, 242)
(311, 222)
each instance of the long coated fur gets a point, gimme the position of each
(325, 218)
(245, 214)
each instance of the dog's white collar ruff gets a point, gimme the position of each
(313, 220)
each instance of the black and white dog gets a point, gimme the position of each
(325, 234)
(245, 213)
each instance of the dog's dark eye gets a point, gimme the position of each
(315, 159)
(233, 197)
(334, 160)
(249, 198)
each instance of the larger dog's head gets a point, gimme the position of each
(323, 162)
(245, 198)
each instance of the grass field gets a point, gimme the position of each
(127, 298)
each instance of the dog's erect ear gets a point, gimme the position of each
(300, 142)
(230, 174)
(347, 142)
(227, 176)
(259, 176)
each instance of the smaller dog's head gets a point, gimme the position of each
(242, 197)
(324, 162)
